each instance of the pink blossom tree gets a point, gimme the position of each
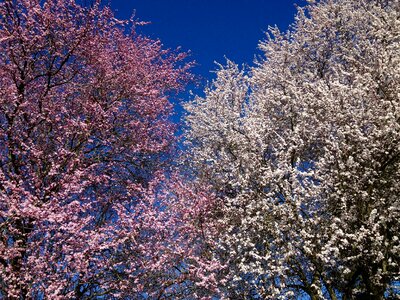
(85, 138)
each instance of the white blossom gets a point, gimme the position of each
(304, 150)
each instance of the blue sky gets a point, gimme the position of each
(210, 29)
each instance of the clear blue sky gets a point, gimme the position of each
(210, 29)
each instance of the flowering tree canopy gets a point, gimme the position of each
(86, 210)
(304, 151)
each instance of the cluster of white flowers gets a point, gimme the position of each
(304, 150)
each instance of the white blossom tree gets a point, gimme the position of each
(304, 151)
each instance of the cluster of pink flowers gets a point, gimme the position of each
(85, 141)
